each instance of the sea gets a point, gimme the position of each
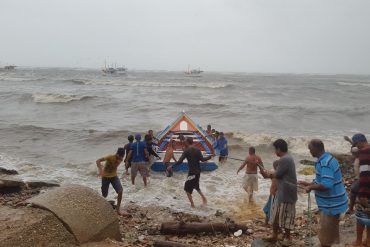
(56, 122)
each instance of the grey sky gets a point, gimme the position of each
(299, 36)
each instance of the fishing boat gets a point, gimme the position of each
(183, 125)
(8, 68)
(193, 72)
(114, 70)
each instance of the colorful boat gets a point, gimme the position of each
(183, 125)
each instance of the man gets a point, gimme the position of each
(222, 147)
(209, 132)
(250, 180)
(149, 145)
(139, 155)
(363, 194)
(330, 193)
(283, 208)
(355, 183)
(127, 148)
(194, 157)
(168, 156)
(108, 173)
(151, 134)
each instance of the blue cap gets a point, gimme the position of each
(138, 137)
(358, 138)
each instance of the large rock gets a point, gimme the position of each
(87, 215)
(26, 227)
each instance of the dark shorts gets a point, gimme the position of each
(192, 183)
(105, 182)
(354, 188)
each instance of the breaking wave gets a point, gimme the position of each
(57, 98)
(362, 84)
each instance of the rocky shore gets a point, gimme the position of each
(24, 224)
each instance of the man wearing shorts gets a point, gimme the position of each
(330, 193)
(139, 155)
(250, 180)
(283, 207)
(108, 173)
(194, 157)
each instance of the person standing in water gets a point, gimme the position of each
(250, 180)
(194, 157)
(127, 148)
(222, 146)
(139, 156)
(167, 158)
(108, 174)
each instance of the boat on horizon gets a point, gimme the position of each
(183, 125)
(114, 70)
(193, 72)
(8, 68)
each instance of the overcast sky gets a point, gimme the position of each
(292, 36)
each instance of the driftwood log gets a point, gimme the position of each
(181, 228)
(173, 244)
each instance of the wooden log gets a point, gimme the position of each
(172, 244)
(181, 228)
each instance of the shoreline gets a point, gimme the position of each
(143, 227)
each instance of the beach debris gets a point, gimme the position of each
(40, 184)
(8, 171)
(238, 233)
(173, 244)
(82, 210)
(180, 228)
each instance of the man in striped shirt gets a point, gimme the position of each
(330, 193)
(363, 194)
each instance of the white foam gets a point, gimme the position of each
(56, 98)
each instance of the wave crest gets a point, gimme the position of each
(57, 98)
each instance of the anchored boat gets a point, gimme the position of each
(183, 125)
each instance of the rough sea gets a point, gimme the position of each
(54, 124)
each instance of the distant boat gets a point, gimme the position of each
(183, 125)
(114, 70)
(8, 67)
(193, 72)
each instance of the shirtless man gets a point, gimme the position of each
(168, 156)
(250, 180)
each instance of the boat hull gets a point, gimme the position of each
(206, 166)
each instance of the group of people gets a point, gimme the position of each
(328, 186)
(331, 196)
(219, 143)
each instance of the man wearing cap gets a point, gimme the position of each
(108, 173)
(363, 194)
(138, 155)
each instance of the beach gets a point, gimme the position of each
(55, 123)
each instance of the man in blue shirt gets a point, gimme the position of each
(138, 155)
(222, 146)
(330, 193)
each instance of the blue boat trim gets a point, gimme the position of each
(183, 167)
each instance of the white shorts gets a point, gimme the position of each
(250, 182)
